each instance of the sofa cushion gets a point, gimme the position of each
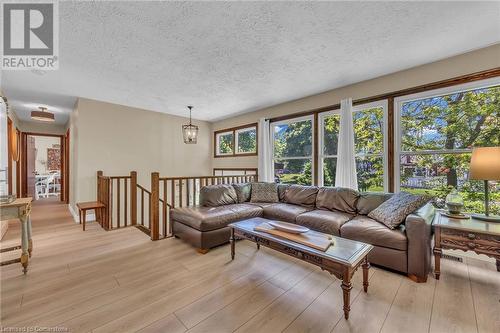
(217, 195)
(324, 220)
(205, 218)
(243, 192)
(301, 195)
(337, 198)
(264, 192)
(261, 204)
(365, 229)
(247, 210)
(211, 218)
(368, 201)
(284, 212)
(395, 210)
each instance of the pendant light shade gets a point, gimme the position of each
(190, 131)
(42, 115)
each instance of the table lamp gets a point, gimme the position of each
(485, 165)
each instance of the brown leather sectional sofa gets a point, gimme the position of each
(338, 211)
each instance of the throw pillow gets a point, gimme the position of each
(264, 192)
(243, 192)
(217, 195)
(395, 210)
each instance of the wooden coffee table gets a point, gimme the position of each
(341, 259)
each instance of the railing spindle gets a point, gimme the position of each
(172, 194)
(126, 201)
(164, 208)
(133, 197)
(118, 197)
(180, 192)
(142, 207)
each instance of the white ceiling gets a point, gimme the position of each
(232, 57)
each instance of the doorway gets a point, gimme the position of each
(45, 165)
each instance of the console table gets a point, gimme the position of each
(467, 235)
(19, 209)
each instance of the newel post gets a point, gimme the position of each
(98, 215)
(133, 197)
(154, 206)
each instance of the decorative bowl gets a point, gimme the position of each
(454, 208)
(288, 227)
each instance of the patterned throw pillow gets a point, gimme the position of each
(243, 191)
(264, 192)
(395, 210)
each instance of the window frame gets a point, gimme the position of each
(234, 131)
(217, 146)
(242, 130)
(313, 151)
(321, 135)
(384, 104)
(398, 103)
(385, 139)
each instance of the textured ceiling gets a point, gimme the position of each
(232, 57)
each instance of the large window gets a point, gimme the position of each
(436, 133)
(369, 145)
(328, 142)
(369, 124)
(237, 141)
(293, 151)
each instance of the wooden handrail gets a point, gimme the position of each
(208, 177)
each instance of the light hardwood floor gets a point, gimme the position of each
(120, 281)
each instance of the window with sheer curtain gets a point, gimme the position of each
(369, 140)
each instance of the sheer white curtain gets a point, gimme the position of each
(346, 175)
(265, 158)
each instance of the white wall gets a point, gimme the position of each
(118, 139)
(471, 62)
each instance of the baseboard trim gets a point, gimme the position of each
(89, 218)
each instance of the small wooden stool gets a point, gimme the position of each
(89, 205)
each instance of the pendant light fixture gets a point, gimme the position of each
(190, 132)
(42, 115)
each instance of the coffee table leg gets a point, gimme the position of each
(258, 246)
(346, 288)
(366, 267)
(232, 241)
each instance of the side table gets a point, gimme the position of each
(467, 235)
(19, 209)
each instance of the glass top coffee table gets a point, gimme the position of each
(341, 259)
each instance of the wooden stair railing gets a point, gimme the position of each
(175, 192)
(122, 196)
(119, 195)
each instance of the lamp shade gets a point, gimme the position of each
(485, 163)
